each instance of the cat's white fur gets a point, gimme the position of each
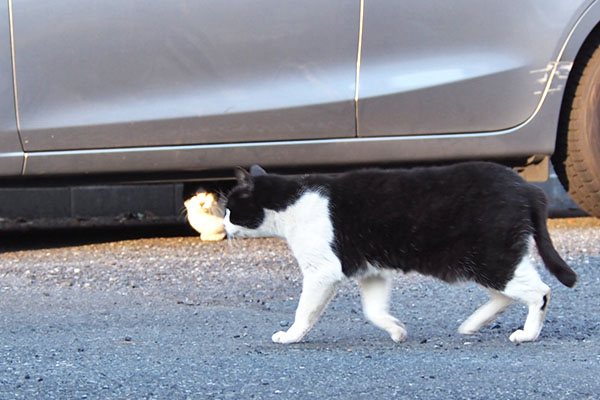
(206, 216)
(527, 287)
(485, 314)
(375, 292)
(307, 227)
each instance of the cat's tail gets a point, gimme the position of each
(551, 258)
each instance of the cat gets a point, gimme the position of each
(205, 215)
(472, 221)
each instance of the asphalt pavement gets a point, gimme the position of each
(154, 313)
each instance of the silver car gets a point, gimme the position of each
(121, 88)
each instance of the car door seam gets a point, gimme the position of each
(14, 70)
(358, 61)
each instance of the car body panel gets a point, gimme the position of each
(584, 26)
(535, 135)
(122, 73)
(424, 72)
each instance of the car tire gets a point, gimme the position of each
(577, 156)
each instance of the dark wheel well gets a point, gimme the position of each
(577, 155)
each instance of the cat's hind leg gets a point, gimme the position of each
(317, 292)
(527, 287)
(375, 294)
(486, 314)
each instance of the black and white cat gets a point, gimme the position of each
(472, 221)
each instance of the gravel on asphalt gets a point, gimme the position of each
(156, 313)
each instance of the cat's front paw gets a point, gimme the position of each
(398, 334)
(520, 336)
(466, 328)
(285, 337)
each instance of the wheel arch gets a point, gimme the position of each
(585, 32)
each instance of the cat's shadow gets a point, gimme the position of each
(43, 238)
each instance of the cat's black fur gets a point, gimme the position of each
(468, 221)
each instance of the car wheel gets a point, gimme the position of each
(577, 156)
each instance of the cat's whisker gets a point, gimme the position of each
(182, 212)
(232, 243)
(221, 195)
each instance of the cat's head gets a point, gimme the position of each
(200, 201)
(245, 214)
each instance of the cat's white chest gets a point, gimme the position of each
(308, 219)
(309, 232)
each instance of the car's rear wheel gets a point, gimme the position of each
(577, 157)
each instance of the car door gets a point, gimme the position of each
(437, 67)
(11, 153)
(99, 74)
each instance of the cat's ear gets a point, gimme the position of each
(256, 170)
(243, 178)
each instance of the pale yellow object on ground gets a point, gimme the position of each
(205, 215)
